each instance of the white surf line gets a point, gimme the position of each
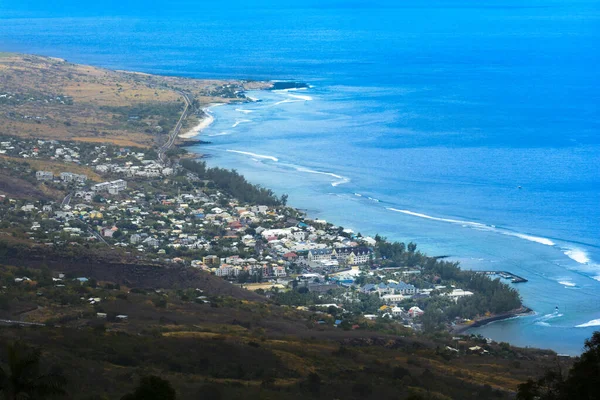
(262, 156)
(594, 322)
(240, 121)
(341, 179)
(577, 255)
(478, 225)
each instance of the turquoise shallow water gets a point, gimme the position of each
(422, 122)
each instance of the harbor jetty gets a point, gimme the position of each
(506, 275)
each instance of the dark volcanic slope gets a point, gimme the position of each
(129, 274)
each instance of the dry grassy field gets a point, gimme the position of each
(51, 98)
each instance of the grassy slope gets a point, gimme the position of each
(39, 80)
(249, 347)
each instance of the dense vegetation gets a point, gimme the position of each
(176, 345)
(582, 382)
(231, 182)
(490, 296)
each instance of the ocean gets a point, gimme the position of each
(469, 128)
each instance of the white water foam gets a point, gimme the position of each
(286, 101)
(301, 97)
(479, 226)
(567, 283)
(202, 125)
(577, 255)
(543, 320)
(594, 322)
(452, 221)
(340, 179)
(358, 194)
(254, 155)
(244, 110)
(240, 121)
(292, 98)
(224, 133)
(536, 239)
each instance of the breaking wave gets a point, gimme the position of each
(577, 255)
(594, 322)
(254, 155)
(340, 180)
(240, 121)
(224, 133)
(567, 283)
(479, 226)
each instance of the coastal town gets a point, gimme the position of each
(126, 258)
(133, 203)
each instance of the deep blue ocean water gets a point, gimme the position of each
(422, 122)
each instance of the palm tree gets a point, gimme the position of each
(23, 379)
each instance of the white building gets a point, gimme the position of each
(44, 175)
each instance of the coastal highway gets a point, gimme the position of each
(173, 135)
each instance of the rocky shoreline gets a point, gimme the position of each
(519, 312)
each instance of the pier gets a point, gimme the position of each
(506, 275)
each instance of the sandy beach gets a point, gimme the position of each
(204, 123)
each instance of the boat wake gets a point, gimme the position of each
(543, 321)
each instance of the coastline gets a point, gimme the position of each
(457, 329)
(463, 328)
(203, 124)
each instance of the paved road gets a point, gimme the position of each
(66, 200)
(173, 135)
(22, 323)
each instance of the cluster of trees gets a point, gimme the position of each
(490, 295)
(582, 382)
(231, 182)
(24, 377)
(301, 296)
(397, 254)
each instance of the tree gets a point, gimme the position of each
(152, 388)
(582, 382)
(314, 383)
(209, 392)
(333, 310)
(22, 378)
(412, 247)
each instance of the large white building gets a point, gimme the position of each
(112, 187)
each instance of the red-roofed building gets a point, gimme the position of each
(290, 256)
(235, 225)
